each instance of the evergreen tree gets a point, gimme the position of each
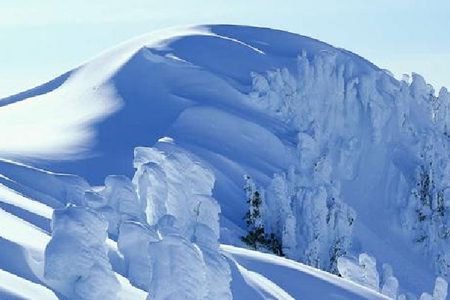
(274, 245)
(256, 237)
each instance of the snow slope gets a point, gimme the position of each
(230, 95)
(24, 235)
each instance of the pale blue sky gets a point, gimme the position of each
(42, 39)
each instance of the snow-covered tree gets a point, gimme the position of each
(174, 253)
(173, 181)
(428, 206)
(389, 283)
(440, 291)
(364, 271)
(121, 203)
(303, 205)
(133, 242)
(218, 271)
(77, 256)
(257, 237)
(179, 271)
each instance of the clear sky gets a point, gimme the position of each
(42, 39)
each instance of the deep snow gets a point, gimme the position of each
(230, 96)
(24, 236)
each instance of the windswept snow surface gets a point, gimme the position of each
(286, 279)
(303, 119)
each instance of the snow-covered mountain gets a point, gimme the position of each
(349, 162)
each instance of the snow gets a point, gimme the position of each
(14, 286)
(133, 243)
(10, 196)
(259, 281)
(348, 159)
(68, 135)
(19, 231)
(26, 242)
(79, 237)
(297, 280)
(364, 271)
(266, 287)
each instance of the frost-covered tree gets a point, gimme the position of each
(426, 205)
(218, 271)
(389, 283)
(440, 291)
(133, 242)
(314, 223)
(303, 206)
(77, 256)
(343, 114)
(428, 211)
(121, 202)
(364, 271)
(173, 181)
(174, 253)
(179, 271)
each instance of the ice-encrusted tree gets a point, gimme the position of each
(314, 223)
(389, 284)
(440, 291)
(217, 268)
(363, 271)
(77, 256)
(117, 202)
(427, 213)
(425, 208)
(174, 253)
(179, 271)
(133, 243)
(303, 205)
